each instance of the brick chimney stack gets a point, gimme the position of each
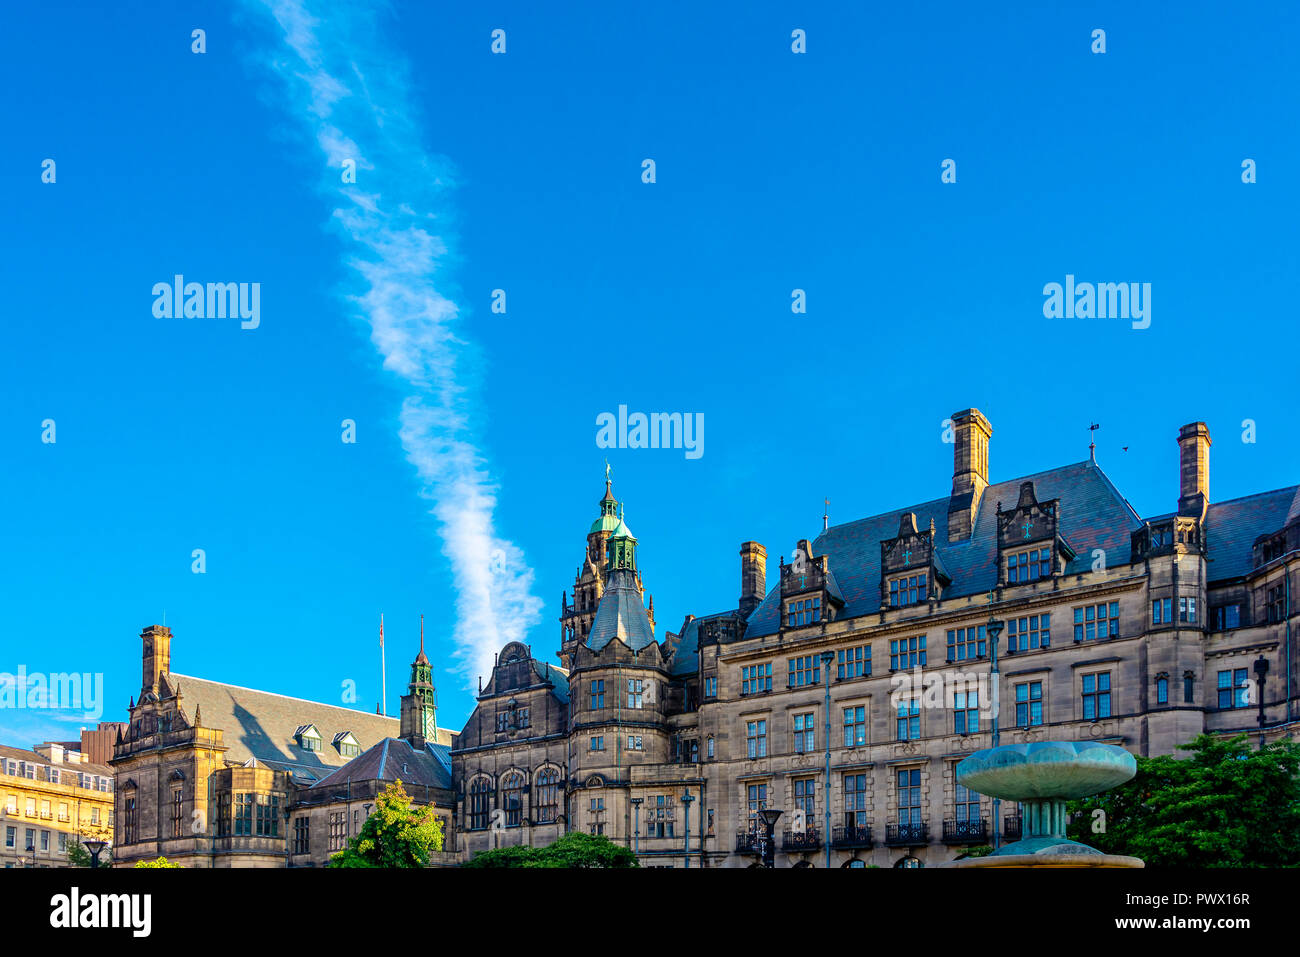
(1193, 469)
(970, 470)
(753, 576)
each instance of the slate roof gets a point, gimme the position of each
(1092, 515)
(262, 725)
(393, 759)
(1231, 528)
(621, 615)
(557, 676)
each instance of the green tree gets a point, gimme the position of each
(158, 862)
(571, 851)
(1227, 805)
(395, 835)
(78, 856)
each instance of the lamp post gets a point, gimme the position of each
(827, 658)
(636, 824)
(1261, 674)
(994, 628)
(96, 848)
(687, 798)
(31, 849)
(769, 816)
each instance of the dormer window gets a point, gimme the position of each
(346, 744)
(804, 611)
(1029, 566)
(907, 590)
(308, 738)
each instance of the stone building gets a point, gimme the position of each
(845, 695)
(214, 775)
(53, 796)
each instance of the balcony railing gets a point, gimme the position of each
(747, 842)
(1011, 827)
(808, 839)
(906, 835)
(852, 836)
(966, 832)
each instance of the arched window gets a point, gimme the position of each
(856, 862)
(480, 792)
(548, 796)
(512, 798)
(710, 747)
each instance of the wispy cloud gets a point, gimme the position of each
(349, 91)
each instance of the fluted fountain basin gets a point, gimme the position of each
(1046, 770)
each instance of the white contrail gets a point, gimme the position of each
(350, 92)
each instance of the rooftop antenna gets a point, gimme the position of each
(1092, 446)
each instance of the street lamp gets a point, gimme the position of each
(31, 849)
(96, 848)
(687, 798)
(1261, 673)
(827, 658)
(769, 816)
(994, 628)
(636, 824)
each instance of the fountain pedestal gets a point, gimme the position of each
(1043, 777)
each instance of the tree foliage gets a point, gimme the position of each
(395, 835)
(571, 851)
(157, 862)
(1227, 805)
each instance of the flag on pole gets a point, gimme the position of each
(381, 630)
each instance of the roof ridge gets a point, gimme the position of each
(276, 694)
(1242, 498)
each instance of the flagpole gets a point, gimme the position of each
(383, 670)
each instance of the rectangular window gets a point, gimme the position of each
(756, 738)
(803, 611)
(635, 692)
(804, 670)
(908, 590)
(128, 820)
(967, 803)
(659, 816)
(756, 800)
(1275, 602)
(966, 714)
(1029, 566)
(1187, 609)
(711, 686)
(1234, 688)
(1162, 689)
(1227, 617)
(1096, 696)
(909, 720)
(965, 643)
(63, 811)
(268, 815)
(634, 742)
(178, 813)
(1161, 611)
(805, 795)
(804, 733)
(338, 830)
(597, 693)
(301, 835)
(503, 721)
(11, 836)
(1029, 704)
(909, 797)
(1026, 634)
(243, 814)
(63, 842)
(522, 718)
(907, 653)
(855, 726)
(1096, 621)
(755, 679)
(854, 662)
(45, 840)
(855, 801)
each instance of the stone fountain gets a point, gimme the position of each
(1042, 777)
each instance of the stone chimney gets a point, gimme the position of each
(157, 641)
(1193, 469)
(970, 470)
(753, 576)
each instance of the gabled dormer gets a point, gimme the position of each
(910, 573)
(1030, 546)
(346, 744)
(809, 592)
(308, 737)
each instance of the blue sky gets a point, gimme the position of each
(775, 171)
